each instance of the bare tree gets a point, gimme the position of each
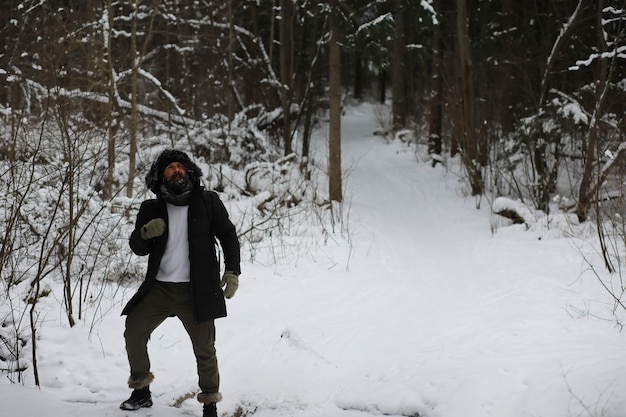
(435, 100)
(286, 68)
(113, 107)
(399, 95)
(588, 190)
(334, 92)
(470, 139)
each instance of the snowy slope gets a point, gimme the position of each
(412, 307)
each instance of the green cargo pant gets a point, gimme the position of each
(162, 301)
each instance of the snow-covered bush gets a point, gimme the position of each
(66, 237)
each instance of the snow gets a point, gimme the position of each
(501, 204)
(412, 305)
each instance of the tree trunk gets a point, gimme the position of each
(112, 117)
(334, 91)
(358, 76)
(382, 87)
(469, 139)
(434, 116)
(506, 84)
(286, 68)
(133, 104)
(231, 39)
(308, 100)
(587, 189)
(399, 102)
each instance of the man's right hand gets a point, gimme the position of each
(154, 228)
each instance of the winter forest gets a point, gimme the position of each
(526, 98)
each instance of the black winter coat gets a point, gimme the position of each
(207, 219)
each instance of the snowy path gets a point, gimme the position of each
(415, 308)
(434, 314)
(488, 331)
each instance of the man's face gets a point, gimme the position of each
(175, 176)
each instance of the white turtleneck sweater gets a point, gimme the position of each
(175, 262)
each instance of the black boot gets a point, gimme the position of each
(138, 399)
(209, 410)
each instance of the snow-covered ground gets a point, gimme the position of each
(413, 306)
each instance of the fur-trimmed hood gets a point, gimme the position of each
(154, 178)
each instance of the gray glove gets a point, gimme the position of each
(154, 228)
(231, 281)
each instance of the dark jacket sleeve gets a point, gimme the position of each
(226, 233)
(138, 245)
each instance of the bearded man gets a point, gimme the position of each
(177, 231)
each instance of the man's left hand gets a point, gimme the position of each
(231, 281)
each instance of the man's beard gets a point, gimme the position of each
(177, 183)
